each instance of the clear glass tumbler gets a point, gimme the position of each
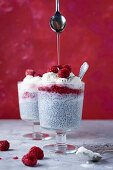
(60, 109)
(28, 105)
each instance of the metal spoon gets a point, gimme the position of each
(57, 21)
(83, 69)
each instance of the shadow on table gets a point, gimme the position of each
(82, 135)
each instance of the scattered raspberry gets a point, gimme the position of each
(29, 160)
(53, 69)
(60, 67)
(0, 158)
(16, 157)
(37, 151)
(36, 74)
(4, 145)
(68, 67)
(63, 73)
(29, 72)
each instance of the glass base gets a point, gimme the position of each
(38, 136)
(60, 149)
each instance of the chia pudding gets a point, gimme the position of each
(60, 100)
(28, 98)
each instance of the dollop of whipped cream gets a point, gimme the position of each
(52, 78)
(31, 80)
(88, 154)
(30, 83)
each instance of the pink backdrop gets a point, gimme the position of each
(26, 41)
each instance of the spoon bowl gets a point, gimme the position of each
(57, 22)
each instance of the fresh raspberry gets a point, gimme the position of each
(37, 151)
(0, 158)
(16, 157)
(53, 69)
(29, 72)
(4, 145)
(60, 67)
(36, 74)
(68, 67)
(29, 160)
(63, 73)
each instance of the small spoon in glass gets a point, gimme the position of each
(57, 21)
(83, 70)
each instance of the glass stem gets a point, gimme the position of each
(36, 131)
(60, 141)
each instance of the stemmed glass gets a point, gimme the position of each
(28, 105)
(62, 112)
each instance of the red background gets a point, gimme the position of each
(26, 41)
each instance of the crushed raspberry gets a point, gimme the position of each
(26, 95)
(53, 69)
(0, 158)
(16, 157)
(29, 72)
(63, 73)
(36, 74)
(68, 67)
(29, 95)
(29, 160)
(60, 67)
(4, 145)
(60, 89)
(37, 151)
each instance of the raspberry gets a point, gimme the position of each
(4, 145)
(60, 67)
(29, 160)
(36, 74)
(63, 73)
(37, 151)
(26, 95)
(16, 157)
(29, 72)
(53, 69)
(68, 67)
(0, 158)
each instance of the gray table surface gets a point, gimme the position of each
(94, 134)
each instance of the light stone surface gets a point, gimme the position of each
(97, 135)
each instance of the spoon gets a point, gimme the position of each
(83, 70)
(90, 155)
(57, 21)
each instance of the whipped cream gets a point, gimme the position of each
(90, 155)
(52, 78)
(28, 82)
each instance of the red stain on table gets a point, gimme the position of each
(26, 41)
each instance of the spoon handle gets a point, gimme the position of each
(57, 5)
(83, 69)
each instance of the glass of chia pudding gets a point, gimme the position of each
(60, 102)
(28, 104)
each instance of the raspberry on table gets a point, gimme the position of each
(53, 69)
(29, 72)
(16, 157)
(37, 151)
(29, 160)
(0, 158)
(4, 145)
(68, 67)
(63, 73)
